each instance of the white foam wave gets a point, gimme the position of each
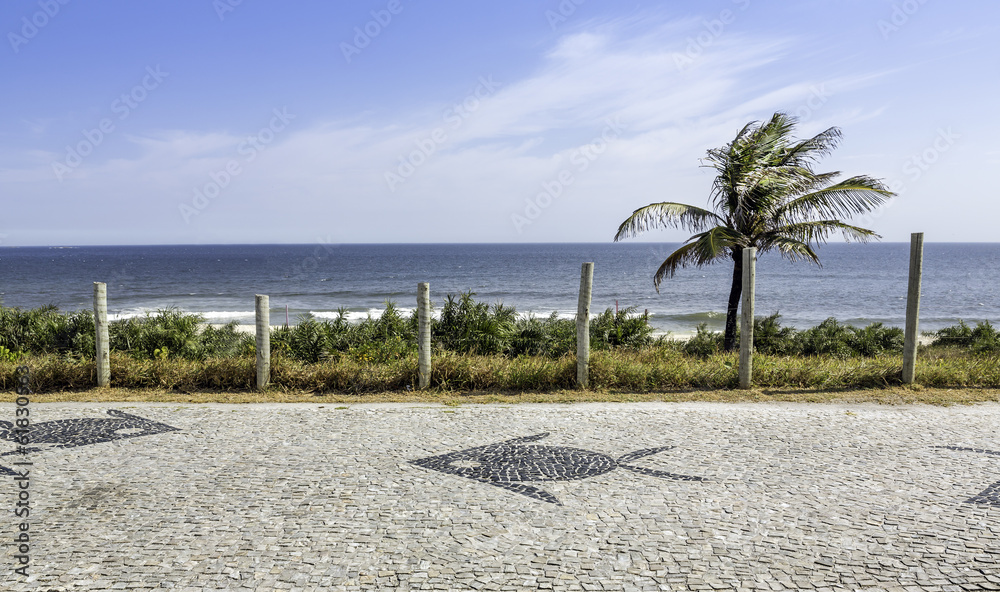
(211, 316)
(375, 313)
(227, 314)
(247, 316)
(129, 313)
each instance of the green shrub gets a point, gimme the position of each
(827, 338)
(552, 337)
(8, 356)
(983, 338)
(467, 326)
(959, 335)
(769, 337)
(226, 342)
(172, 329)
(875, 340)
(383, 351)
(704, 343)
(46, 330)
(620, 329)
(307, 341)
(387, 337)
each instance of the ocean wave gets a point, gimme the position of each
(130, 313)
(375, 313)
(697, 317)
(228, 314)
(212, 316)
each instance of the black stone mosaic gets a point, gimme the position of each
(989, 496)
(509, 464)
(69, 433)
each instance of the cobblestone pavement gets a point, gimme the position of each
(561, 497)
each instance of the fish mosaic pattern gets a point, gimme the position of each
(511, 463)
(70, 433)
(989, 496)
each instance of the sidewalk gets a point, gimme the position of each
(645, 496)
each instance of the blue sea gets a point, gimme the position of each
(857, 284)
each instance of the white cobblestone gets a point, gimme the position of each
(310, 497)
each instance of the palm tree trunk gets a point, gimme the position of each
(729, 343)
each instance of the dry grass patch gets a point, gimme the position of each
(898, 395)
(647, 374)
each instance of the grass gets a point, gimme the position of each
(884, 396)
(486, 351)
(655, 370)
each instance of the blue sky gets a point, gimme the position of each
(249, 121)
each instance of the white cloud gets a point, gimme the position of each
(329, 179)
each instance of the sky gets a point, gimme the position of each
(419, 121)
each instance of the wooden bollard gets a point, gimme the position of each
(583, 326)
(101, 340)
(423, 335)
(746, 320)
(910, 337)
(262, 306)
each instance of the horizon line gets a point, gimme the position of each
(447, 243)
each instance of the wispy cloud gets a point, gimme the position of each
(332, 175)
(958, 35)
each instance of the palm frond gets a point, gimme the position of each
(667, 214)
(808, 151)
(816, 231)
(791, 249)
(851, 197)
(700, 249)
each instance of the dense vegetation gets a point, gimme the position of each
(476, 346)
(828, 338)
(465, 326)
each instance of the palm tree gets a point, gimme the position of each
(766, 195)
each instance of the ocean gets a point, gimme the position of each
(857, 284)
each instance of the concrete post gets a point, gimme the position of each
(423, 335)
(746, 319)
(101, 340)
(262, 305)
(913, 308)
(583, 326)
